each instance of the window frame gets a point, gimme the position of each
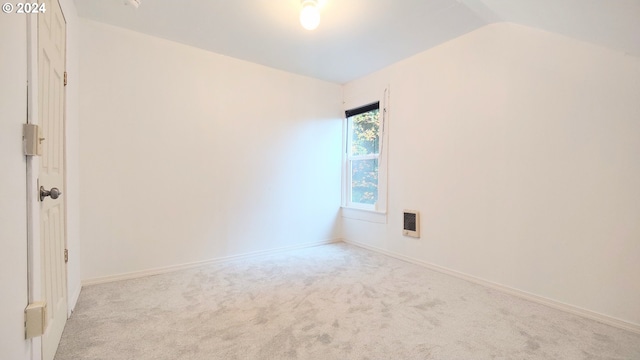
(378, 211)
(350, 158)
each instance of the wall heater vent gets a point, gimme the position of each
(411, 224)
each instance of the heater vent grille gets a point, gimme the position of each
(411, 223)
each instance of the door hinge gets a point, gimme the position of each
(66, 255)
(32, 142)
(35, 319)
(65, 78)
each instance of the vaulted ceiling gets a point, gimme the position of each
(357, 37)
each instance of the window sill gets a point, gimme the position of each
(364, 215)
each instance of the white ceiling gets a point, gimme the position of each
(357, 37)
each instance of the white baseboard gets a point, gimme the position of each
(167, 269)
(505, 289)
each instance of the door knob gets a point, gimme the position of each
(54, 193)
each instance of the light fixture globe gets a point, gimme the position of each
(309, 15)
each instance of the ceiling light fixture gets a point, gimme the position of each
(310, 15)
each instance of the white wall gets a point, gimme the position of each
(188, 155)
(520, 148)
(13, 220)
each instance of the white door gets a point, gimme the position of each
(51, 65)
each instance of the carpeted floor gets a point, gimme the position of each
(329, 302)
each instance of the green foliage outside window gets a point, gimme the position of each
(364, 181)
(365, 140)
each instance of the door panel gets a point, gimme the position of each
(51, 60)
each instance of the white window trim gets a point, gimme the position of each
(378, 211)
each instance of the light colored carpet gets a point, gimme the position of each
(328, 302)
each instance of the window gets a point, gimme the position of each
(362, 157)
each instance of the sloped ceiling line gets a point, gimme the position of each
(357, 37)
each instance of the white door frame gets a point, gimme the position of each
(34, 273)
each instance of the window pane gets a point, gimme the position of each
(365, 133)
(364, 181)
